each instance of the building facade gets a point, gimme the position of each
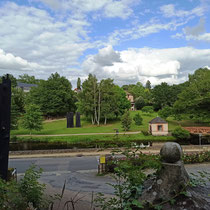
(158, 127)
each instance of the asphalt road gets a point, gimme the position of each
(80, 173)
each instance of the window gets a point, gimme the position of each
(160, 128)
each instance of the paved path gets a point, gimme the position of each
(86, 134)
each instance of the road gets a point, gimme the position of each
(80, 173)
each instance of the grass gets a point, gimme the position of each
(57, 127)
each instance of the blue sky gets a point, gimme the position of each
(127, 40)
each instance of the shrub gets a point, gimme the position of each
(31, 189)
(138, 119)
(147, 109)
(25, 194)
(165, 112)
(126, 121)
(180, 133)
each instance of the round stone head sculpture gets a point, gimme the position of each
(171, 152)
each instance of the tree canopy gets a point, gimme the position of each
(194, 100)
(54, 96)
(101, 100)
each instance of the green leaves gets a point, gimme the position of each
(32, 119)
(54, 96)
(180, 133)
(195, 98)
(126, 121)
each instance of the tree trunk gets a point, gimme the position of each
(105, 120)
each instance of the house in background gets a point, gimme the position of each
(131, 99)
(25, 87)
(158, 127)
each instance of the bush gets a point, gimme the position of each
(165, 112)
(138, 119)
(126, 121)
(180, 133)
(147, 109)
(31, 189)
(26, 194)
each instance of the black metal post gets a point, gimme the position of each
(5, 107)
(78, 123)
(70, 120)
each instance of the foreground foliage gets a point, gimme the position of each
(129, 176)
(28, 193)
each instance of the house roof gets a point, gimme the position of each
(25, 85)
(157, 120)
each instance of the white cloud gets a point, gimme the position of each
(10, 62)
(143, 30)
(197, 32)
(158, 65)
(37, 37)
(170, 11)
(106, 8)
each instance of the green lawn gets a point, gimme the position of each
(59, 126)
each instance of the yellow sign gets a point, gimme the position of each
(102, 159)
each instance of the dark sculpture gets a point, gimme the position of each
(5, 106)
(78, 123)
(70, 120)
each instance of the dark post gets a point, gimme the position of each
(5, 106)
(70, 120)
(78, 123)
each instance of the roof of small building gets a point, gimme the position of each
(25, 85)
(157, 120)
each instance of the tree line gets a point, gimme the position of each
(100, 101)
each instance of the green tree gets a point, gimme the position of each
(139, 103)
(101, 100)
(136, 90)
(138, 119)
(32, 119)
(87, 98)
(17, 106)
(194, 100)
(25, 78)
(54, 96)
(107, 96)
(79, 83)
(161, 96)
(148, 109)
(165, 112)
(126, 121)
(148, 85)
(180, 133)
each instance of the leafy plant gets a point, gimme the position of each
(138, 119)
(147, 109)
(31, 189)
(126, 121)
(32, 119)
(180, 133)
(28, 193)
(129, 176)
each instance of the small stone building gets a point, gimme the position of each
(158, 127)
